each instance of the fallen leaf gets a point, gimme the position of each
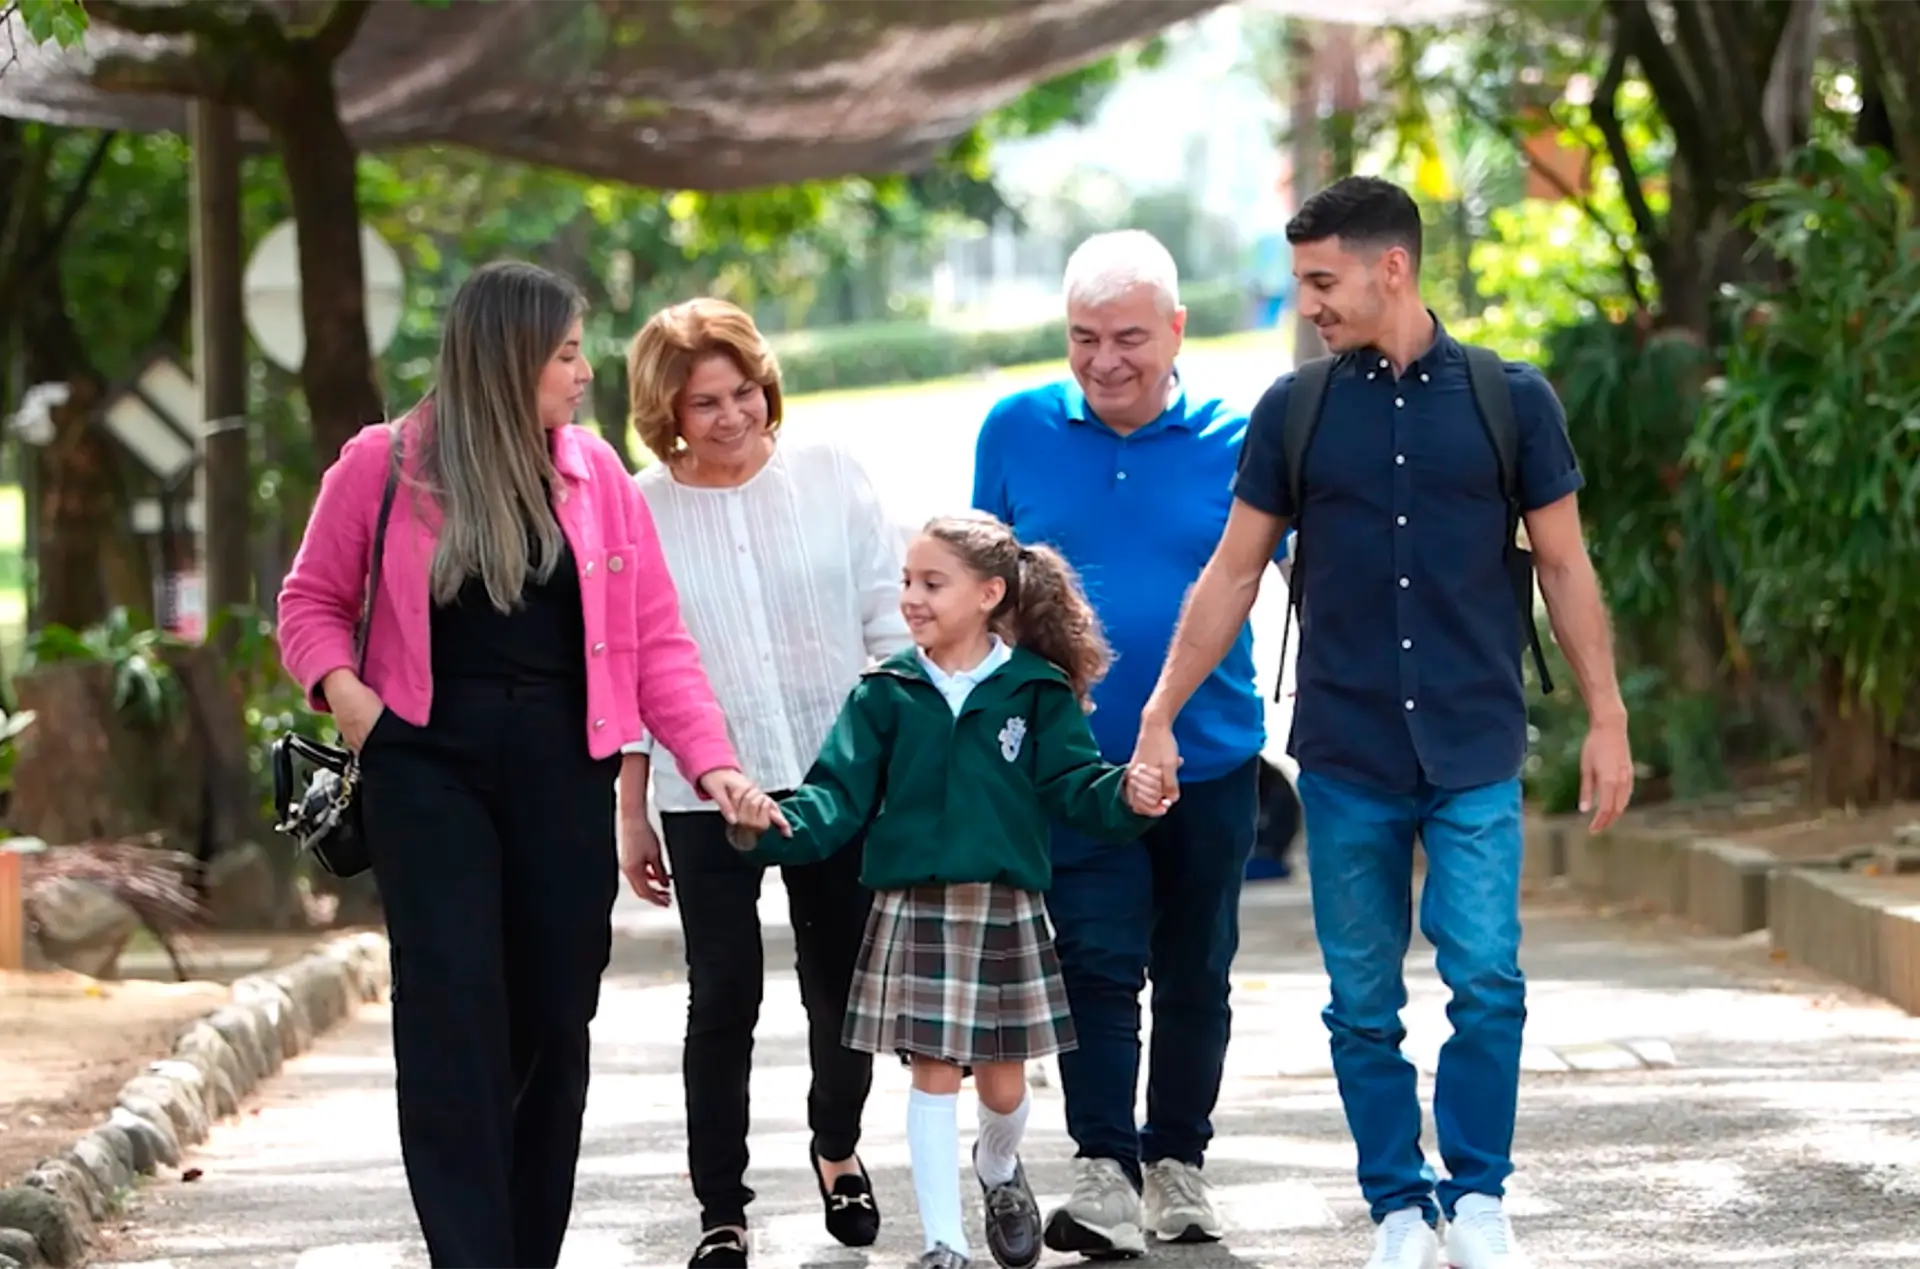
(191, 1174)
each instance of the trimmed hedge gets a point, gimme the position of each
(882, 353)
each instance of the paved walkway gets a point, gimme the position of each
(1760, 1118)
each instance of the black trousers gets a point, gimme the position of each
(492, 836)
(718, 894)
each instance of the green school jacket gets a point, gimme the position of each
(949, 800)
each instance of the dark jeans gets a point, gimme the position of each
(1360, 862)
(718, 893)
(492, 835)
(1166, 907)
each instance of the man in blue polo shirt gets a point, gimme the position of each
(1127, 471)
(1410, 718)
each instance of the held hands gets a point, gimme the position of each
(1145, 791)
(1156, 751)
(741, 801)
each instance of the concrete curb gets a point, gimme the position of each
(1857, 929)
(51, 1216)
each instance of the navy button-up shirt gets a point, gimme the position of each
(1409, 671)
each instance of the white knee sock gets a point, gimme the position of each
(998, 1150)
(933, 1143)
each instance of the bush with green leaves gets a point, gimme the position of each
(886, 353)
(145, 687)
(1810, 445)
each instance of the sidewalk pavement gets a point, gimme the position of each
(1687, 1103)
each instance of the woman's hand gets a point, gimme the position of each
(355, 707)
(642, 862)
(733, 793)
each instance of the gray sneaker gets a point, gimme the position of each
(1101, 1219)
(1179, 1204)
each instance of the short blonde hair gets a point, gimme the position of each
(661, 358)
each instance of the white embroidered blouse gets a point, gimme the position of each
(790, 586)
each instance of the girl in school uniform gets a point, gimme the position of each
(956, 755)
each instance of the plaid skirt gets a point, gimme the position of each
(963, 973)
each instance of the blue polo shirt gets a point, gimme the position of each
(1409, 668)
(1138, 516)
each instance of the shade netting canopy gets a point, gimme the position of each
(707, 94)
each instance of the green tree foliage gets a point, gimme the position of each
(61, 22)
(1811, 447)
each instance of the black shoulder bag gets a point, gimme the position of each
(324, 820)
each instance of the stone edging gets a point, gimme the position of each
(1845, 925)
(51, 1215)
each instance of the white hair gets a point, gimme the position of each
(1107, 266)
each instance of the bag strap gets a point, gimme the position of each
(1493, 402)
(1305, 400)
(395, 447)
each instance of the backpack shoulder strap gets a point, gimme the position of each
(1487, 377)
(1304, 403)
(1493, 402)
(1304, 400)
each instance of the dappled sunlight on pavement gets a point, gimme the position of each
(1784, 1132)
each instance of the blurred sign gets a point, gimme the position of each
(156, 418)
(184, 604)
(272, 289)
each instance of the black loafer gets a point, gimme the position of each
(720, 1249)
(852, 1215)
(1013, 1221)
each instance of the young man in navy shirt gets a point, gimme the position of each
(1128, 471)
(1410, 718)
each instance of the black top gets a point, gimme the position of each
(1409, 670)
(544, 639)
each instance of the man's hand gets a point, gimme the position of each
(1145, 791)
(642, 861)
(1156, 749)
(1606, 773)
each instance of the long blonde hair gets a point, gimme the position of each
(485, 457)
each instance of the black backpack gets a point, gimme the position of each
(1487, 377)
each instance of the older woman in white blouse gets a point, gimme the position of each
(789, 575)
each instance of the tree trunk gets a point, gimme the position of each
(1857, 759)
(80, 496)
(1891, 52)
(1305, 155)
(337, 375)
(610, 408)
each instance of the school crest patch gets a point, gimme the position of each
(1010, 737)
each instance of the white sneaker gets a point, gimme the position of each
(1481, 1237)
(1101, 1219)
(1405, 1241)
(1178, 1204)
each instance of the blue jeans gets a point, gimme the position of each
(1360, 861)
(1166, 906)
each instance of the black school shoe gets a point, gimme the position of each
(1013, 1219)
(852, 1215)
(720, 1249)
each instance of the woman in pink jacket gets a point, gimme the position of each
(524, 628)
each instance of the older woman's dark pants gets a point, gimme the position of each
(718, 892)
(492, 835)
